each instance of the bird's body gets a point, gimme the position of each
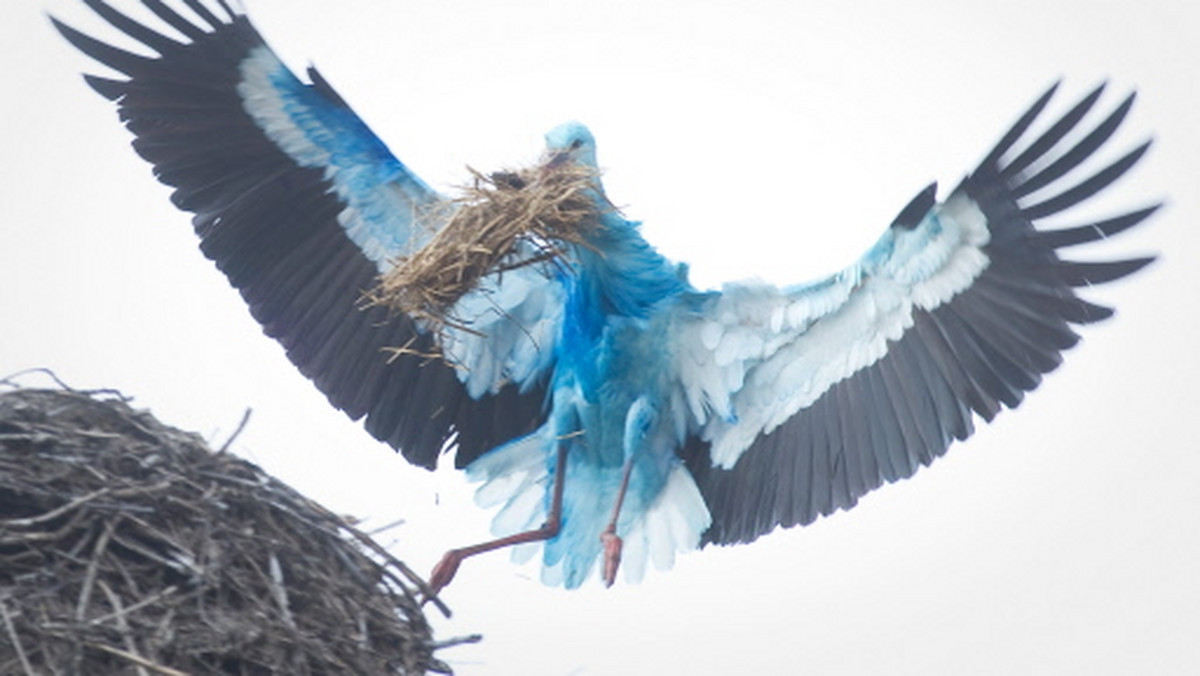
(598, 393)
(610, 396)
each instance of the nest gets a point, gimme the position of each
(130, 547)
(502, 221)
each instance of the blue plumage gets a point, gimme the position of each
(610, 386)
(381, 195)
(613, 413)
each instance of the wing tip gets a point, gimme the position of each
(64, 29)
(109, 89)
(113, 57)
(1088, 187)
(992, 160)
(1077, 274)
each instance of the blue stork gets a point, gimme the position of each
(614, 413)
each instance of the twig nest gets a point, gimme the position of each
(502, 221)
(130, 547)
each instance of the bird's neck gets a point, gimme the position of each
(619, 273)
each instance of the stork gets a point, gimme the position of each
(613, 412)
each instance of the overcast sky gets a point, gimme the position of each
(753, 138)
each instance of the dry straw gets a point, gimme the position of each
(502, 221)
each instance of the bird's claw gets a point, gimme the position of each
(612, 555)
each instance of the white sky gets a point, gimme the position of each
(764, 138)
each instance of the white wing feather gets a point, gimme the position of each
(755, 354)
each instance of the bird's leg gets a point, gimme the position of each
(639, 420)
(445, 569)
(612, 541)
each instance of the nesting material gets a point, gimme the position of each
(501, 221)
(130, 547)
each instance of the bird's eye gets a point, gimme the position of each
(576, 144)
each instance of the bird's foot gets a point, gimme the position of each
(612, 555)
(444, 571)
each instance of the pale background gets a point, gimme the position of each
(753, 138)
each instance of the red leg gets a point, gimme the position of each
(612, 541)
(444, 571)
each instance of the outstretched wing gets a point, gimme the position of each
(809, 397)
(302, 207)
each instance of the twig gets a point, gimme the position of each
(115, 602)
(89, 579)
(279, 591)
(16, 640)
(375, 547)
(136, 659)
(457, 640)
(10, 379)
(386, 527)
(394, 353)
(27, 538)
(181, 554)
(364, 631)
(241, 426)
(56, 512)
(177, 565)
(137, 606)
(415, 579)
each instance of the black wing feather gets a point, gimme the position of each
(974, 355)
(1021, 187)
(1082, 234)
(271, 227)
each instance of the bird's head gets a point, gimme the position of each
(570, 142)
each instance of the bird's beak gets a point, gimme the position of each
(555, 159)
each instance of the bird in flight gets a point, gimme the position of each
(615, 414)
